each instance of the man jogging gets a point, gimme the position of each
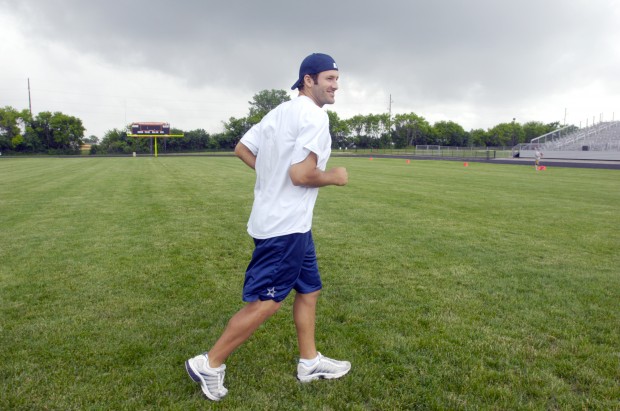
(289, 150)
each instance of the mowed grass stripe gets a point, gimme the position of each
(455, 287)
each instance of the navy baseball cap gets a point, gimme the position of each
(314, 64)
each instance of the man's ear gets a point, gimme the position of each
(308, 82)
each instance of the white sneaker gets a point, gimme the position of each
(211, 380)
(323, 368)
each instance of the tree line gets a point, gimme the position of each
(57, 133)
(52, 133)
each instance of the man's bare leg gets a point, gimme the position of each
(304, 314)
(240, 327)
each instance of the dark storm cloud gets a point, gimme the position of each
(479, 52)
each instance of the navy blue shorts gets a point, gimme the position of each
(282, 264)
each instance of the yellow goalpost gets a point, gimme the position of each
(152, 130)
(155, 137)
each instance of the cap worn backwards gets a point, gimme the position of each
(313, 64)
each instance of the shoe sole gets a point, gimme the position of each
(322, 376)
(195, 376)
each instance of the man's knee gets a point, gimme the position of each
(264, 309)
(308, 297)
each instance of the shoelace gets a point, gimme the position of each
(220, 376)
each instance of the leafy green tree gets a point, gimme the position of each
(410, 130)
(116, 142)
(233, 131)
(533, 129)
(68, 132)
(58, 132)
(32, 141)
(506, 134)
(262, 103)
(195, 140)
(356, 125)
(370, 130)
(449, 133)
(478, 137)
(377, 126)
(265, 101)
(339, 130)
(42, 129)
(357, 129)
(12, 125)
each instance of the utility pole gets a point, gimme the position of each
(390, 114)
(29, 101)
(565, 109)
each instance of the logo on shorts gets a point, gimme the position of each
(271, 292)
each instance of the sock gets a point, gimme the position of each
(309, 363)
(209, 365)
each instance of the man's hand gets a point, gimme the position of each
(340, 176)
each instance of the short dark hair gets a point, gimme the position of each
(314, 77)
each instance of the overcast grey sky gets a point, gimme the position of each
(196, 63)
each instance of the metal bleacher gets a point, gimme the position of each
(604, 136)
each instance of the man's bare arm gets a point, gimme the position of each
(307, 174)
(245, 155)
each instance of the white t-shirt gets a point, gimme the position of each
(286, 136)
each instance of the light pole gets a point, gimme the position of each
(513, 132)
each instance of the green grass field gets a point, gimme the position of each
(447, 287)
